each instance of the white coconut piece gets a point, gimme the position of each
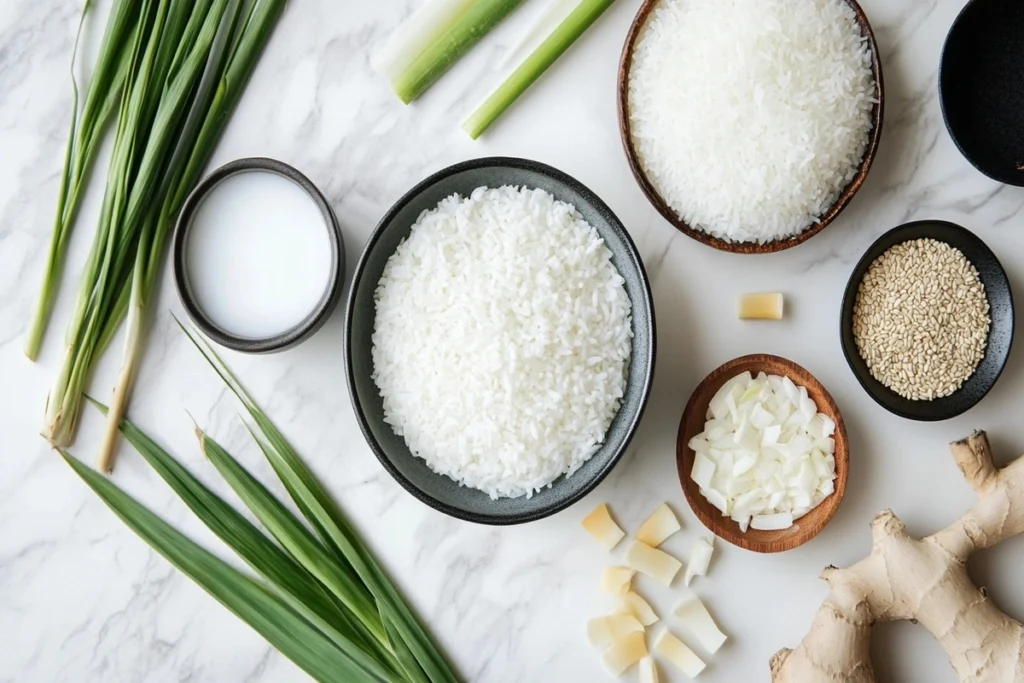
(624, 653)
(603, 631)
(659, 526)
(648, 670)
(676, 652)
(600, 525)
(697, 620)
(617, 580)
(700, 560)
(633, 604)
(773, 522)
(656, 564)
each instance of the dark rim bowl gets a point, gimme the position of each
(320, 313)
(439, 491)
(705, 238)
(1000, 338)
(986, 133)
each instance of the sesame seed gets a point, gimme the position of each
(921, 319)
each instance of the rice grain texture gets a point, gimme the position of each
(749, 117)
(502, 340)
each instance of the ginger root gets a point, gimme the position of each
(924, 580)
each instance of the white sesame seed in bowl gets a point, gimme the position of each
(927, 320)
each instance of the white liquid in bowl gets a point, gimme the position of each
(258, 255)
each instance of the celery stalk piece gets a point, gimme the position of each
(564, 35)
(434, 38)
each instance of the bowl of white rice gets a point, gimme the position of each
(750, 124)
(499, 340)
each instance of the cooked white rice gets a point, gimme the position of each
(502, 339)
(749, 117)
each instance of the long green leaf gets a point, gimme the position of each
(294, 537)
(335, 530)
(297, 587)
(263, 610)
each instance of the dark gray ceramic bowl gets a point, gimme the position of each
(437, 490)
(1000, 336)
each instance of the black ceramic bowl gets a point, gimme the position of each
(411, 472)
(320, 313)
(981, 87)
(1000, 338)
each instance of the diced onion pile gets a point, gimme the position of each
(766, 455)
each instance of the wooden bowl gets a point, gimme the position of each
(746, 247)
(803, 529)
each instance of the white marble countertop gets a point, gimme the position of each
(82, 599)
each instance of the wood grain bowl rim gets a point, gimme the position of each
(625, 132)
(808, 526)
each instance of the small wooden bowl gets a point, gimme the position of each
(705, 238)
(692, 424)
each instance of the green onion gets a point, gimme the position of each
(433, 39)
(323, 601)
(564, 35)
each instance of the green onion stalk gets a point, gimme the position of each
(433, 39)
(559, 40)
(319, 597)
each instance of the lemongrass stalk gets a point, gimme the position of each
(64, 402)
(561, 38)
(100, 103)
(437, 39)
(415, 35)
(226, 82)
(215, 62)
(552, 15)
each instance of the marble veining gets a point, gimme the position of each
(82, 599)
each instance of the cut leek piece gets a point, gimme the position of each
(563, 35)
(600, 525)
(658, 527)
(648, 670)
(631, 603)
(624, 653)
(604, 631)
(698, 621)
(764, 306)
(433, 39)
(617, 580)
(700, 560)
(656, 564)
(676, 652)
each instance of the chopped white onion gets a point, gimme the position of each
(766, 454)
